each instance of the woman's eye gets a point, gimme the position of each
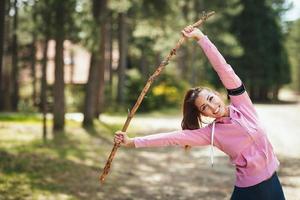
(210, 98)
(203, 108)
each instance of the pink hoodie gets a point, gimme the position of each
(241, 135)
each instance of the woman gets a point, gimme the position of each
(236, 130)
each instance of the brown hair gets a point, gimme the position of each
(191, 115)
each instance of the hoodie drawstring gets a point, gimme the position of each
(212, 144)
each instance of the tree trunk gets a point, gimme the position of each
(33, 70)
(253, 91)
(43, 91)
(93, 86)
(263, 94)
(275, 93)
(6, 67)
(90, 97)
(102, 65)
(109, 57)
(2, 31)
(123, 47)
(33, 61)
(102, 62)
(15, 68)
(59, 85)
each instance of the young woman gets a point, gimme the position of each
(236, 130)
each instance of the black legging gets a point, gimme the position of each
(267, 190)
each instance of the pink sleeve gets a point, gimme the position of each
(228, 77)
(197, 137)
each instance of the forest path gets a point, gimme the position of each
(172, 173)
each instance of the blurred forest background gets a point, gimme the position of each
(94, 56)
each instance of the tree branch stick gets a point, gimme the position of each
(144, 91)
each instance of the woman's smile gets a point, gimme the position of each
(217, 110)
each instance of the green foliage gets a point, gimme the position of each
(166, 92)
(74, 97)
(119, 6)
(265, 64)
(248, 34)
(293, 47)
(38, 17)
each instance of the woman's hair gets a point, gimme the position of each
(191, 115)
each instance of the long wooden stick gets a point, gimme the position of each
(144, 91)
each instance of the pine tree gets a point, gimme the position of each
(264, 63)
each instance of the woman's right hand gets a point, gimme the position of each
(123, 139)
(191, 32)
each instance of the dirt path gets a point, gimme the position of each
(171, 173)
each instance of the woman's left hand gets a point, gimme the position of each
(191, 32)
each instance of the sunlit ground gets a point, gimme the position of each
(68, 168)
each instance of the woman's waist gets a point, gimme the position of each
(247, 176)
(254, 157)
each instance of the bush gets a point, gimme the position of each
(74, 94)
(166, 91)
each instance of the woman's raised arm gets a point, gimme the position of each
(230, 80)
(228, 77)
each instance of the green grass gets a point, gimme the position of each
(20, 117)
(67, 166)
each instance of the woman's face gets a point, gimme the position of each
(210, 104)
